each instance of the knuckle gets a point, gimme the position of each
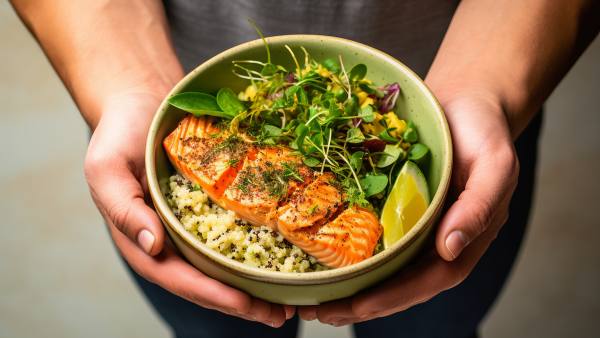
(94, 161)
(119, 216)
(482, 216)
(509, 160)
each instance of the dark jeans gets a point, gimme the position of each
(454, 313)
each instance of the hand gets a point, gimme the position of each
(484, 177)
(114, 168)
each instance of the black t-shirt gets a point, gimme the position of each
(410, 30)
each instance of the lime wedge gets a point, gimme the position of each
(405, 204)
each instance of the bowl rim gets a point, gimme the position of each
(298, 278)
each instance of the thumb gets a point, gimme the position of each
(484, 201)
(120, 198)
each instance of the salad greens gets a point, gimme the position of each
(335, 119)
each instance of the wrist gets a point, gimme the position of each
(113, 98)
(448, 92)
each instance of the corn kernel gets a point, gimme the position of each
(367, 102)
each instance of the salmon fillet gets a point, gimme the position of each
(269, 185)
(350, 238)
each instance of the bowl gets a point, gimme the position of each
(416, 103)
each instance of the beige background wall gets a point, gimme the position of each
(60, 277)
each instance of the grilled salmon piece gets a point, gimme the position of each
(350, 238)
(264, 181)
(206, 155)
(311, 206)
(269, 185)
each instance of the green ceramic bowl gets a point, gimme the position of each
(416, 103)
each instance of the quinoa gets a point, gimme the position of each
(222, 231)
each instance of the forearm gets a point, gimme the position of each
(103, 49)
(515, 51)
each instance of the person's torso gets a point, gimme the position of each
(410, 30)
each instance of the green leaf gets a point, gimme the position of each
(366, 113)
(302, 97)
(417, 152)
(301, 132)
(229, 102)
(279, 103)
(373, 184)
(385, 135)
(198, 104)
(371, 90)
(332, 65)
(271, 130)
(351, 105)
(410, 134)
(358, 72)
(389, 155)
(290, 93)
(356, 160)
(311, 161)
(354, 135)
(340, 94)
(268, 69)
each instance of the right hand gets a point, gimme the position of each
(114, 168)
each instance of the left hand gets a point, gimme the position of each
(484, 177)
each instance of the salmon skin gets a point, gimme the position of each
(269, 185)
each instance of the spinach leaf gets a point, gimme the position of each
(198, 104)
(229, 102)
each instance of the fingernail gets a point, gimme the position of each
(271, 324)
(456, 242)
(145, 240)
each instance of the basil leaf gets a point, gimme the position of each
(417, 152)
(390, 155)
(356, 160)
(354, 135)
(373, 184)
(358, 72)
(198, 104)
(229, 102)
